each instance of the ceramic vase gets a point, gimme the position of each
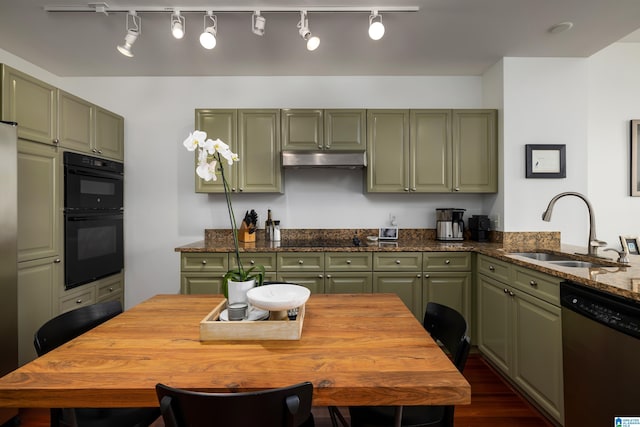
(237, 291)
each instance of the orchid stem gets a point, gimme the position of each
(232, 217)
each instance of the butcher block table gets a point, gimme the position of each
(365, 349)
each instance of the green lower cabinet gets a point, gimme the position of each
(493, 322)
(200, 283)
(312, 281)
(348, 283)
(450, 289)
(408, 286)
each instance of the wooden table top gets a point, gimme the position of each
(360, 349)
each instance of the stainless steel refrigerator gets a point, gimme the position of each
(8, 253)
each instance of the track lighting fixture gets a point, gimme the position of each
(208, 36)
(376, 29)
(177, 24)
(303, 28)
(257, 23)
(134, 28)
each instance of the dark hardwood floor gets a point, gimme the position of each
(493, 403)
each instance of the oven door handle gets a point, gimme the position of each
(97, 216)
(95, 173)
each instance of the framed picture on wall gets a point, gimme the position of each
(630, 244)
(635, 158)
(545, 161)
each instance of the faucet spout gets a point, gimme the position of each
(593, 243)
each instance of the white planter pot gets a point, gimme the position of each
(238, 290)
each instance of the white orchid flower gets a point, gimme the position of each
(207, 170)
(209, 146)
(220, 146)
(194, 140)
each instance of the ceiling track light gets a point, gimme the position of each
(303, 29)
(257, 23)
(134, 29)
(208, 36)
(376, 28)
(177, 24)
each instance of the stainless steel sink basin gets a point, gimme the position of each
(577, 264)
(543, 256)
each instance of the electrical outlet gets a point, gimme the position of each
(392, 220)
(495, 222)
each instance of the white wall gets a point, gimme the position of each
(614, 94)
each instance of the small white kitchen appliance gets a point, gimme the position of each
(449, 224)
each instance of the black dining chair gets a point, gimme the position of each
(448, 327)
(281, 407)
(66, 327)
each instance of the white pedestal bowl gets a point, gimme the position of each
(278, 298)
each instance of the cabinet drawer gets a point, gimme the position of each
(109, 288)
(537, 284)
(494, 268)
(446, 261)
(300, 261)
(266, 259)
(397, 261)
(201, 262)
(76, 299)
(350, 261)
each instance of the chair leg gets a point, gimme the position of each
(336, 415)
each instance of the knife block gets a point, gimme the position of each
(244, 235)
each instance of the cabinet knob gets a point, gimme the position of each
(93, 150)
(397, 262)
(78, 301)
(414, 189)
(328, 276)
(111, 289)
(300, 262)
(252, 262)
(204, 262)
(241, 189)
(511, 294)
(505, 290)
(533, 283)
(320, 146)
(348, 262)
(233, 189)
(56, 141)
(406, 188)
(57, 261)
(492, 268)
(456, 189)
(447, 261)
(320, 276)
(99, 151)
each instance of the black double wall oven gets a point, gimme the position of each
(93, 218)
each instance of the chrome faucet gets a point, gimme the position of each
(594, 243)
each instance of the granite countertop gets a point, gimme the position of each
(622, 280)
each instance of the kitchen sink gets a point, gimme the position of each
(577, 264)
(543, 256)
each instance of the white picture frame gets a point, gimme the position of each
(630, 244)
(388, 233)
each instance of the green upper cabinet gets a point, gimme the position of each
(388, 150)
(432, 151)
(75, 122)
(109, 134)
(312, 130)
(32, 103)
(255, 136)
(475, 151)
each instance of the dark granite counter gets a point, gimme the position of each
(622, 280)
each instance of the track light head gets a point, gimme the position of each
(303, 29)
(134, 28)
(177, 24)
(258, 23)
(376, 28)
(208, 36)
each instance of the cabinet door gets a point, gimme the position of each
(200, 283)
(300, 261)
(259, 169)
(397, 261)
(37, 284)
(450, 289)
(493, 326)
(345, 130)
(250, 259)
(430, 151)
(475, 151)
(75, 122)
(218, 124)
(109, 134)
(446, 261)
(110, 288)
(347, 261)
(39, 201)
(537, 361)
(31, 103)
(408, 286)
(348, 283)
(388, 151)
(312, 281)
(302, 130)
(197, 262)
(76, 298)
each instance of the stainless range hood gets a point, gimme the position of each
(324, 159)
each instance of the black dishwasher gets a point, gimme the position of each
(601, 356)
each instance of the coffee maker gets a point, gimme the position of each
(449, 224)
(479, 225)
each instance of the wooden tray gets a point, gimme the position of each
(212, 329)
